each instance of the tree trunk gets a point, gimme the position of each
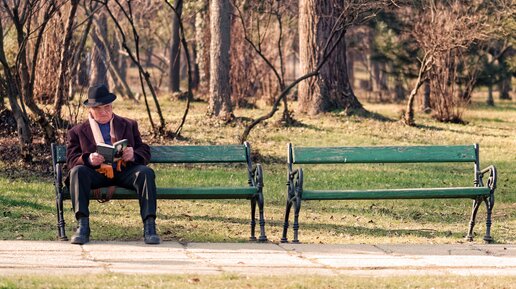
(98, 68)
(119, 80)
(220, 88)
(27, 78)
(505, 87)
(350, 61)
(66, 54)
(201, 39)
(408, 117)
(78, 69)
(330, 89)
(399, 89)
(426, 97)
(376, 72)
(175, 56)
(2, 96)
(195, 67)
(490, 99)
(426, 64)
(22, 123)
(22, 128)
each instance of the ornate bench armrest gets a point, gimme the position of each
(491, 181)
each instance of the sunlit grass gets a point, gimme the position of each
(235, 281)
(27, 206)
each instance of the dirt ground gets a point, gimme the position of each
(12, 165)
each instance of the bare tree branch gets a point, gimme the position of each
(144, 75)
(187, 54)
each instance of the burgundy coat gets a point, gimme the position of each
(80, 142)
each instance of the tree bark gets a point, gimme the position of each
(505, 87)
(201, 47)
(175, 56)
(490, 99)
(22, 123)
(65, 60)
(195, 67)
(330, 89)
(399, 89)
(426, 64)
(98, 68)
(118, 78)
(220, 88)
(350, 62)
(426, 97)
(26, 85)
(77, 69)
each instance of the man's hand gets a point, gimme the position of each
(128, 154)
(96, 159)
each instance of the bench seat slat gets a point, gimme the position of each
(387, 154)
(184, 193)
(424, 193)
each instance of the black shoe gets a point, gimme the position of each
(149, 231)
(82, 235)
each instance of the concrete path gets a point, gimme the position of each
(35, 257)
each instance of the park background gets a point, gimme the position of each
(313, 73)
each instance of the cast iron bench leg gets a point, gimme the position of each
(284, 238)
(476, 205)
(61, 233)
(298, 184)
(263, 237)
(489, 205)
(296, 219)
(253, 219)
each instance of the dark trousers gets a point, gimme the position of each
(135, 177)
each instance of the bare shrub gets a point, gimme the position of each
(47, 74)
(444, 33)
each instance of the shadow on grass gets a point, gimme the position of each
(462, 132)
(9, 202)
(373, 232)
(363, 114)
(27, 175)
(221, 218)
(168, 231)
(426, 216)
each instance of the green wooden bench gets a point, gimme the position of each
(180, 154)
(391, 154)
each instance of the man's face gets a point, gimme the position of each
(102, 114)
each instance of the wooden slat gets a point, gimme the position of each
(198, 154)
(184, 193)
(427, 193)
(185, 154)
(388, 154)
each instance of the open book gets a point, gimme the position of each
(112, 153)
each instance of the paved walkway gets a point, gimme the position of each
(35, 257)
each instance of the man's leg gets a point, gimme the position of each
(82, 180)
(142, 179)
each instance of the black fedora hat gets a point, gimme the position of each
(99, 95)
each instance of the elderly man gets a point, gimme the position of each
(89, 172)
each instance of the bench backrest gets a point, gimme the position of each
(386, 154)
(183, 154)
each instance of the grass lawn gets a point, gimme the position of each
(27, 202)
(234, 281)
